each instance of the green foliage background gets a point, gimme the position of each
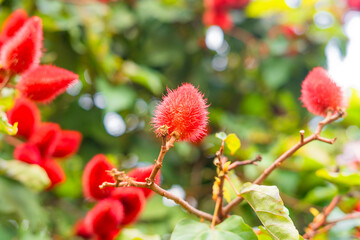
(130, 51)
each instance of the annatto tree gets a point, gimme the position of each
(249, 108)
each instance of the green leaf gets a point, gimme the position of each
(6, 127)
(221, 135)
(233, 228)
(268, 206)
(236, 225)
(19, 203)
(143, 76)
(31, 175)
(124, 96)
(340, 179)
(233, 143)
(135, 234)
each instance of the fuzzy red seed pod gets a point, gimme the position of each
(140, 175)
(94, 175)
(27, 115)
(220, 18)
(46, 138)
(133, 200)
(82, 230)
(68, 144)
(23, 52)
(44, 83)
(319, 93)
(13, 23)
(54, 172)
(183, 110)
(27, 152)
(104, 219)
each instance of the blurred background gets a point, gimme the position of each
(250, 68)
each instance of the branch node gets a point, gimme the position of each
(302, 132)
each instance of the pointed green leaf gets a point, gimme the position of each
(31, 175)
(143, 76)
(340, 179)
(233, 228)
(268, 206)
(233, 143)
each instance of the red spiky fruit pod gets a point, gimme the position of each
(46, 82)
(94, 175)
(133, 200)
(319, 93)
(68, 143)
(183, 110)
(26, 114)
(54, 172)
(140, 175)
(82, 230)
(27, 152)
(23, 52)
(46, 138)
(13, 23)
(220, 18)
(104, 219)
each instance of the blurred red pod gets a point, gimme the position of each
(68, 143)
(28, 152)
(12, 24)
(26, 114)
(105, 218)
(82, 230)
(133, 200)
(23, 52)
(54, 172)
(237, 4)
(354, 4)
(140, 175)
(219, 18)
(46, 82)
(46, 137)
(215, 4)
(94, 175)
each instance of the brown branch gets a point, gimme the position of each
(13, 141)
(232, 185)
(320, 220)
(165, 146)
(331, 224)
(353, 215)
(218, 196)
(245, 162)
(6, 78)
(121, 180)
(157, 189)
(315, 136)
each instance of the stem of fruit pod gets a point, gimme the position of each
(165, 146)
